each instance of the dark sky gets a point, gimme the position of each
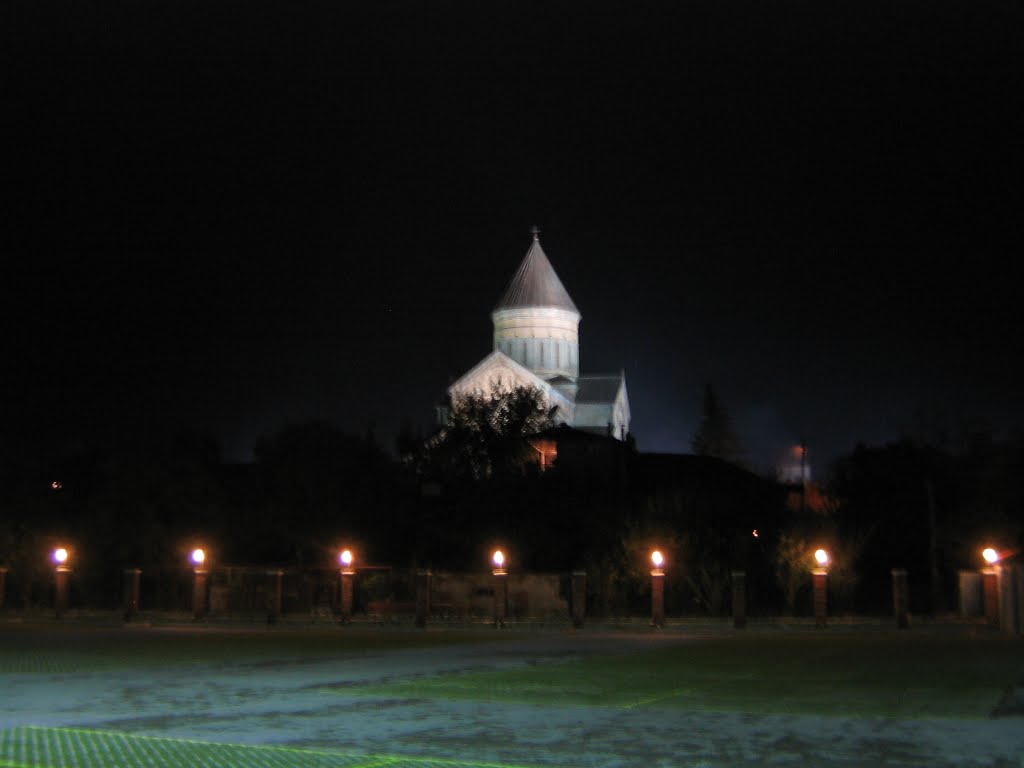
(233, 215)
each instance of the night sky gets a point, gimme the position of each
(234, 215)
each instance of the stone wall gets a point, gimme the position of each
(534, 596)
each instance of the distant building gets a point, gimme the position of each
(794, 469)
(536, 344)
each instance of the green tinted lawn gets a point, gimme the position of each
(74, 648)
(905, 675)
(31, 747)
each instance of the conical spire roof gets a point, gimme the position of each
(535, 283)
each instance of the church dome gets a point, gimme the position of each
(536, 323)
(535, 284)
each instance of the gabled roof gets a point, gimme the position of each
(598, 388)
(560, 379)
(535, 284)
(497, 363)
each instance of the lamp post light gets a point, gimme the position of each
(500, 573)
(199, 578)
(990, 578)
(820, 574)
(60, 559)
(657, 589)
(347, 562)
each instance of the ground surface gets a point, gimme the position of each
(75, 696)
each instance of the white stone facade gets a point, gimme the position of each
(536, 344)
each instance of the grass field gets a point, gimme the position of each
(872, 674)
(79, 649)
(81, 748)
(88, 697)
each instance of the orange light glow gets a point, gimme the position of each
(990, 555)
(754, 533)
(345, 558)
(60, 555)
(657, 559)
(498, 558)
(821, 556)
(198, 557)
(547, 452)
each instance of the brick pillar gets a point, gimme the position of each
(579, 598)
(1011, 610)
(423, 583)
(900, 598)
(347, 592)
(200, 606)
(739, 599)
(658, 597)
(61, 593)
(990, 591)
(820, 597)
(275, 577)
(500, 597)
(131, 592)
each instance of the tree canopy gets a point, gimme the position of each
(716, 436)
(485, 432)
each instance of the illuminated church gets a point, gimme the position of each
(536, 344)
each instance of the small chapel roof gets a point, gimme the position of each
(535, 283)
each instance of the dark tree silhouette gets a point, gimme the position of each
(716, 435)
(485, 433)
(318, 482)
